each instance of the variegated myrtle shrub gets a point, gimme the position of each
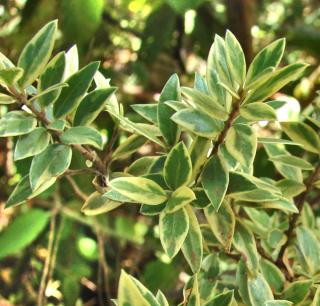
(247, 239)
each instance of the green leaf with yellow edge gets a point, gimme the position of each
(140, 190)
(5, 99)
(162, 300)
(270, 56)
(179, 198)
(92, 105)
(24, 229)
(173, 229)
(82, 135)
(225, 298)
(292, 161)
(192, 247)
(235, 58)
(308, 248)
(258, 111)
(32, 144)
(204, 103)
(245, 244)
(297, 291)
(23, 191)
(52, 75)
(241, 143)
(272, 275)
(290, 188)
(259, 290)
(278, 79)
(215, 180)
(16, 123)
(278, 303)
(129, 293)
(316, 298)
(198, 153)
(98, 203)
(36, 53)
(198, 123)
(242, 281)
(129, 146)
(303, 134)
(70, 96)
(256, 195)
(191, 292)
(140, 129)
(168, 128)
(49, 164)
(10, 76)
(147, 111)
(200, 83)
(178, 167)
(222, 223)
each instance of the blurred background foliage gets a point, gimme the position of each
(140, 43)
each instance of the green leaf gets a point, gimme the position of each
(241, 143)
(242, 281)
(57, 125)
(140, 129)
(282, 204)
(92, 105)
(49, 164)
(52, 75)
(10, 76)
(191, 293)
(192, 248)
(273, 275)
(268, 57)
(292, 161)
(118, 197)
(259, 290)
(161, 299)
(16, 123)
(178, 167)
(71, 96)
(179, 198)
(98, 204)
(168, 128)
(290, 188)
(5, 99)
(222, 223)
(215, 180)
(23, 191)
(244, 242)
(141, 166)
(266, 140)
(24, 229)
(278, 303)
(82, 135)
(198, 123)
(200, 83)
(198, 154)
(217, 61)
(129, 293)
(204, 103)
(316, 299)
(72, 62)
(32, 144)
(225, 299)
(152, 210)
(297, 291)
(303, 134)
(235, 58)
(140, 190)
(258, 111)
(273, 84)
(309, 250)
(5, 62)
(173, 230)
(147, 111)
(257, 195)
(36, 53)
(129, 146)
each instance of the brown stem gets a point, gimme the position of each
(299, 203)
(76, 188)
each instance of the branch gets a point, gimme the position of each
(86, 152)
(299, 203)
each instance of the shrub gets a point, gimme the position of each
(247, 239)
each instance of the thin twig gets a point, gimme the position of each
(76, 188)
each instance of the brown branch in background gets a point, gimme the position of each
(240, 15)
(294, 218)
(76, 188)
